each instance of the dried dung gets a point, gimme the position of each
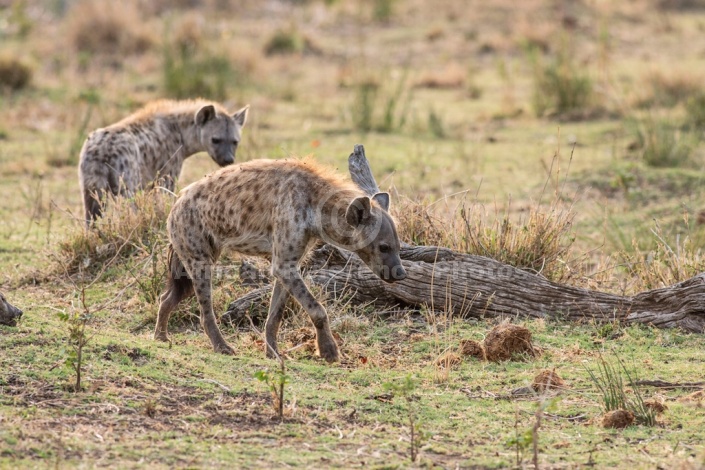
(506, 340)
(657, 404)
(547, 380)
(470, 347)
(448, 360)
(618, 419)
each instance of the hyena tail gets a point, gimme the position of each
(179, 285)
(92, 206)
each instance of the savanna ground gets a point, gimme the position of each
(579, 119)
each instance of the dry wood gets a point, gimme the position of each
(442, 280)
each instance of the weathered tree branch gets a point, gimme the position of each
(474, 286)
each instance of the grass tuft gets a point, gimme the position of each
(661, 144)
(129, 227)
(561, 87)
(99, 27)
(14, 74)
(610, 381)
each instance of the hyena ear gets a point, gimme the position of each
(205, 114)
(358, 211)
(383, 200)
(240, 115)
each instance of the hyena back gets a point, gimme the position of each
(277, 209)
(9, 314)
(150, 146)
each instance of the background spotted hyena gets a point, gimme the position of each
(150, 147)
(274, 208)
(9, 314)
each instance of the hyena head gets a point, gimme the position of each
(220, 133)
(375, 233)
(8, 312)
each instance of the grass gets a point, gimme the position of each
(610, 221)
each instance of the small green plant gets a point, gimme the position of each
(383, 10)
(76, 328)
(285, 41)
(610, 380)
(275, 381)
(695, 112)
(560, 86)
(381, 107)
(661, 144)
(522, 441)
(435, 125)
(406, 389)
(188, 71)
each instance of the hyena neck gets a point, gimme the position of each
(329, 217)
(189, 135)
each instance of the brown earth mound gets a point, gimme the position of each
(470, 347)
(618, 419)
(547, 380)
(506, 340)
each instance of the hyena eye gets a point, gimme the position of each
(216, 141)
(384, 248)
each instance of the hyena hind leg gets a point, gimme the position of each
(179, 287)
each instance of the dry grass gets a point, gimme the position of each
(129, 226)
(669, 88)
(99, 27)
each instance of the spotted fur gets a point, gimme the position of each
(276, 209)
(150, 146)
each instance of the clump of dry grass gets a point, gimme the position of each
(100, 27)
(665, 265)
(129, 227)
(669, 88)
(14, 73)
(539, 242)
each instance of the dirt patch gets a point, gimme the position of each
(472, 348)
(618, 419)
(696, 397)
(506, 341)
(547, 380)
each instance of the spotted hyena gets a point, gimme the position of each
(277, 209)
(9, 314)
(150, 147)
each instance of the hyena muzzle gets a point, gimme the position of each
(9, 314)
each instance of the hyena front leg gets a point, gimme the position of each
(291, 280)
(200, 274)
(276, 311)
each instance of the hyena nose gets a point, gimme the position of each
(397, 273)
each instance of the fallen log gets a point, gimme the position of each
(442, 280)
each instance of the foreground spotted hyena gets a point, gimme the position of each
(9, 314)
(277, 209)
(150, 147)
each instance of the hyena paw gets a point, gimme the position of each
(225, 348)
(328, 350)
(161, 336)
